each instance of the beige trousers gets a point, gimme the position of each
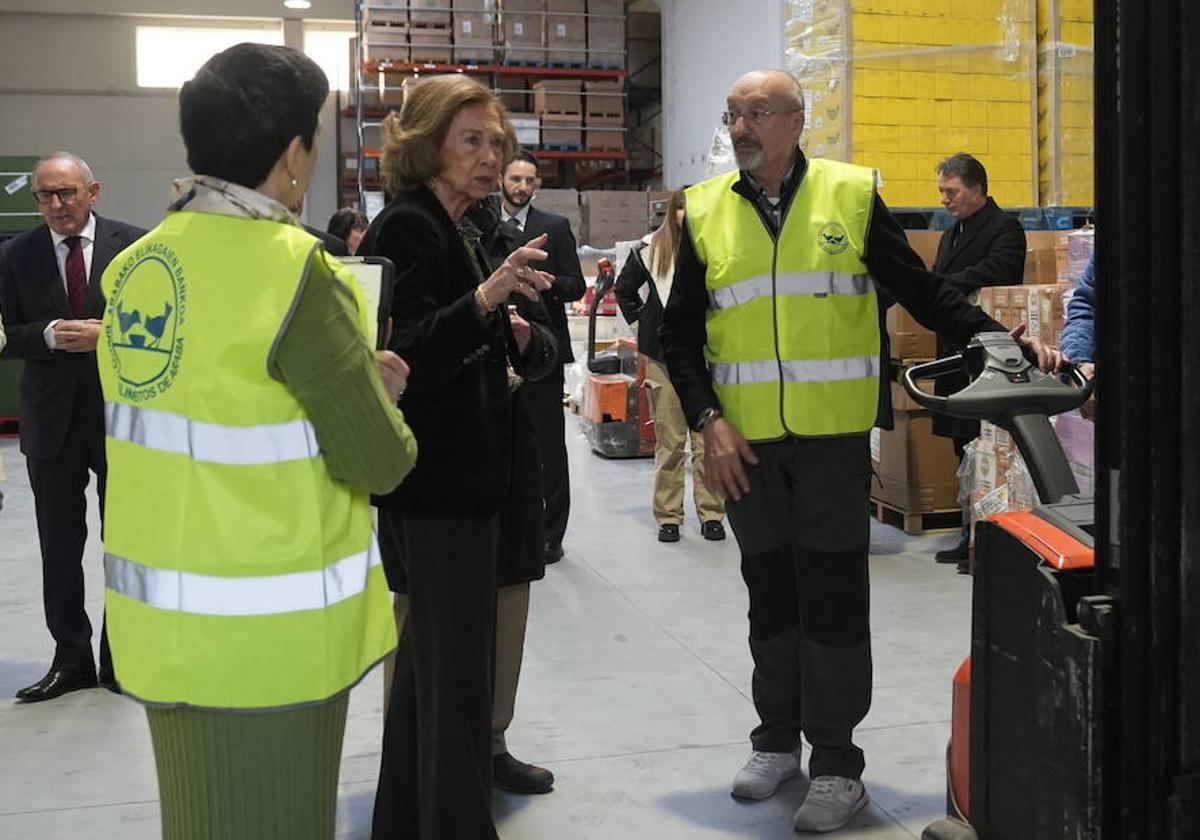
(512, 614)
(671, 434)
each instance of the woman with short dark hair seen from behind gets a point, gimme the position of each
(348, 225)
(248, 420)
(440, 528)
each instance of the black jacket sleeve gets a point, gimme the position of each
(25, 332)
(569, 284)
(541, 356)
(434, 339)
(936, 304)
(683, 333)
(629, 282)
(1004, 264)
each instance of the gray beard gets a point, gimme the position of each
(749, 159)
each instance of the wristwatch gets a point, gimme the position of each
(707, 416)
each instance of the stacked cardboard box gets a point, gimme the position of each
(606, 33)
(385, 36)
(527, 128)
(566, 33)
(474, 31)
(915, 471)
(612, 216)
(1000, 480)
(563, 203)
(429, 33)
(1065, 102)
(900, 85)
(604, 103)
(522, 23)
(1039, 307)
(429, 14)
(559, 105)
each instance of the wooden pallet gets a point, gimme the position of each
(916, 523)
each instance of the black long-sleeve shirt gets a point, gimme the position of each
(889, 258)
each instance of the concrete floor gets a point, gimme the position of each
(635, 692)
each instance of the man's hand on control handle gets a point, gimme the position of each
(726, 454)
(1047, 358)
(1088, 409)
(515, 275)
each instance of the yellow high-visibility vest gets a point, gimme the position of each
(793, 327)
(239, 574)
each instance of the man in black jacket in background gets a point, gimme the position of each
(986, 247)
(520, 222)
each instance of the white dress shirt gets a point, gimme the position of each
(520, 217)
(87, 238)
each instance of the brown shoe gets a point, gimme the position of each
(518, 777)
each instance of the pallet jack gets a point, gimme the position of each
(1026, 758)
(615, 409)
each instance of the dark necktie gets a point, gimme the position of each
(76, 276)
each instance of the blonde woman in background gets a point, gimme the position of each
(652, 265)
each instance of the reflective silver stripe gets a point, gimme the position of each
(169, 589)
(793, 283)
(269, 443)
(795, 370)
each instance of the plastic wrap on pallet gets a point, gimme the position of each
(899, 86)
(1066, 73)
(1081, 244)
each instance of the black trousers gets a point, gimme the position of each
(435, 777)
(804, 538)
(59, 487)
(546, 396)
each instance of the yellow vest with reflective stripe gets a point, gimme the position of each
(239, 574)
(793, 329)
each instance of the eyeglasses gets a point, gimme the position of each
(755, 117)
(66, 195)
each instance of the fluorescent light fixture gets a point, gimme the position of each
(297, 4)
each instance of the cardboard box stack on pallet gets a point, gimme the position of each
(558, 103)
(1066, 140)
(566, 33)
(606, 33)
(429, 33)
(474, 31)
(611, 216)
(522, 25)
(385, 36)
(901, 84)
(604, 103)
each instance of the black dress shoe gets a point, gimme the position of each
(58, 682)
(953, 555)
(518, 777)
(553, 553)
(668, 533)
(713, 530)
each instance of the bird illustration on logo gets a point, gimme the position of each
(144, 335)
(833, 239)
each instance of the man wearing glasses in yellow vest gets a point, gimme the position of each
(771, 336)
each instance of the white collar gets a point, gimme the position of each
(88, 234)
(521, 216)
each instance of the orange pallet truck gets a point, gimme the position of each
(1025, 758)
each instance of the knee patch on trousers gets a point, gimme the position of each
(835, 602)
(771, 582)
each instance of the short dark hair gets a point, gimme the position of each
(240, 111)
(965, 167)
(526, 156)
(346, 220)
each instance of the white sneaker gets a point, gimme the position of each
(764, 772)
(831, 802)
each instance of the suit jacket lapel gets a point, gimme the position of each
(48, 261)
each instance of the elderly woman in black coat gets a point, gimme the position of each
(440, 529)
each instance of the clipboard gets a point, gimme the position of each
(376, 278)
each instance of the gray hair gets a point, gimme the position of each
(84, 169)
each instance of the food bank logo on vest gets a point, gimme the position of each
(145, 339)
(833, 239)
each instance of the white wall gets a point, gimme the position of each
(707, 44)
(67, 81)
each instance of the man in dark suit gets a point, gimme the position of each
(520, 222)
(50, 295)
(986, 247)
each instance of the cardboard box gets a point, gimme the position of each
(909, 340)
(474, 5)
(474, 37)
(604, 133)
(606, 7)
(387, 52)
(566, 53)
(558, 96)
(606, 42)
(430, 46)
(561, 131)
(1040, 307)
(925, 243)
(513, 92)
(433, 14)
(604, 99)
(916, 470)
(383, 21)
(523, 38)
(474, 52)
(527, 127)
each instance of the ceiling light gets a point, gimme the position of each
(297, 4)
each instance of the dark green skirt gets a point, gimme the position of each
(249, 776)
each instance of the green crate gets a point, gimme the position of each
(10, 387)
(17, 210)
